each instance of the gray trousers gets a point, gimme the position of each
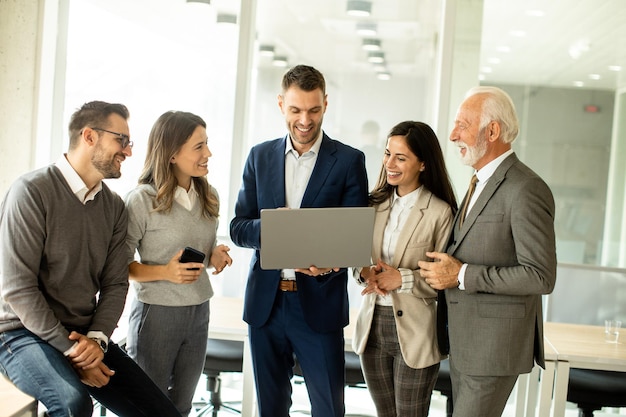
(169, 344)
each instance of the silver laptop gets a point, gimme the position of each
(324, 237)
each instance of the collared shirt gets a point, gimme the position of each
(185, 198)
(298, 170)
(400, 209)
(483, 175)
(84, 195)
(76, 183)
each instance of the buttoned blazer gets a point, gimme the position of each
(426, 229)
(338, 179)
(507, 239)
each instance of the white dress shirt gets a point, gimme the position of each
(400, 209)
(185, 198)
(298, 170)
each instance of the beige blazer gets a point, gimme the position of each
(426, 229)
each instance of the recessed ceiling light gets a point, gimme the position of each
(594, 76)
(376, 57)
(227, 18)
(366, 28)
(481, 77)
(578, 48)
(359, 8)
(486, 70)
(578, 84)
(383, 76)
(504, 49)
(615, 67)
(494, 60)
(371, 44)
(280, 61)
(266, 50)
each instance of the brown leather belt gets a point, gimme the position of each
(288, 285)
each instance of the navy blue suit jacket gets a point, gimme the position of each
(339, 179)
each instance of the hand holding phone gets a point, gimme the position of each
(192, 255)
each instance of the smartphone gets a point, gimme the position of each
(191, 255)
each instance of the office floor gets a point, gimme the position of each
(358, 402)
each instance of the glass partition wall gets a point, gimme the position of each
(224, 61)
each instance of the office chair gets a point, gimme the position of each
(221, 356)
(444, 384)
(592, 390)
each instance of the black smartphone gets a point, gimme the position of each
(191, 255)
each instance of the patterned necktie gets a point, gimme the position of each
(470, 191)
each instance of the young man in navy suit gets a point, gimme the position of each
(301, 311)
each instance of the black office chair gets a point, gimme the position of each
(591, 390)
(221, 356)
(444, 385)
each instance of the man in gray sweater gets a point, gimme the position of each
(64, 277)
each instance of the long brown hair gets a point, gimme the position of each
(424, 144)
(169, 133)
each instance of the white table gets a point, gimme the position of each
(14, 403)
(574, 346)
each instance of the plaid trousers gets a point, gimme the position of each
(396, 389)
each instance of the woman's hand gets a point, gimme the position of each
(182, 273)
(220, 258)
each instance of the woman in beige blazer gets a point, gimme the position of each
(395, 332)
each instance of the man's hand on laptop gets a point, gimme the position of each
(314, 271)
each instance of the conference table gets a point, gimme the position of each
(573, 346)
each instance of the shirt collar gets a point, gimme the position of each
(314, 149)
(76, 183)
(406, 200)
(185, 198)
(487, 171)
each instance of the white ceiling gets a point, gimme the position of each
(409, 34)
(322, 34)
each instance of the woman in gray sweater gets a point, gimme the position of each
(173, 207)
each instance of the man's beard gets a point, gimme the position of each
(107, 166)
(473, 154)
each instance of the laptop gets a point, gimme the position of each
(325, 237)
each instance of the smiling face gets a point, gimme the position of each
(108, 153)
(402, 166)
(304, 113)
(192, 158)
(467, 135)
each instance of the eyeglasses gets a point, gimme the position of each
(123, 139)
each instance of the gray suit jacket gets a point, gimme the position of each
(507, 239)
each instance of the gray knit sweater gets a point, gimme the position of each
(157, 236)
(63, 264)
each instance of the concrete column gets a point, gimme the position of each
(20, 22)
